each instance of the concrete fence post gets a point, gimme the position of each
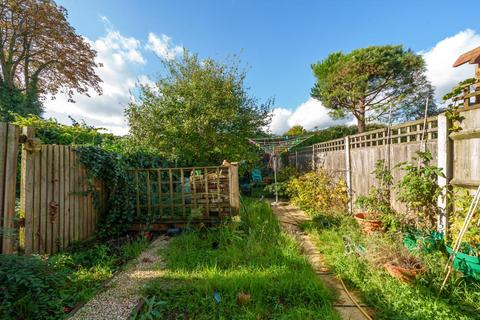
(445, 162)
(348, 174)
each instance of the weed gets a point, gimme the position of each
(392, 298)
(252, 258)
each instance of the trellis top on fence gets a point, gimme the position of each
(402, 133)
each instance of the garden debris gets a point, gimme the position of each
(243, 298)
(122, 296)
(216, 296)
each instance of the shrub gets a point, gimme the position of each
(419, 190)
(283, 178)
(31, 288)
(319, 191)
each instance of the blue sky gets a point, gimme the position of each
(277, 41)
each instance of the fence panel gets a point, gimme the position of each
(9, 139)
(168, 195)
(56, 197)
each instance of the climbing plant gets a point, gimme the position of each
(452, 113)
(419, 190)
(111, 167)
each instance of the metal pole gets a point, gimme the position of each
(275, 177)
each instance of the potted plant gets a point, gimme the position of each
(377, 212)
(405, 267)
(467, 259)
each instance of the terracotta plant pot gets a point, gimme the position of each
(401, 273)
(368, 225)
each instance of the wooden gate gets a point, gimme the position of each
(181, 195)
(9, 139)
(55, 198)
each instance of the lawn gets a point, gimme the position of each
(245, 269)
(392, 298)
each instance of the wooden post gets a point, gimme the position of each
(10, 137)
(348, 174)
(477, 85)
(234, 188)
(26, 190)
(296, 160)
(445, 162)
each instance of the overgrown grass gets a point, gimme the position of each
(207, 270)
(36, 287)
(392, 298)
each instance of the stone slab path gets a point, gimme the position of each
(291, 219)
(122, 295)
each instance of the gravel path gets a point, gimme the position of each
(291, 218)
(122, 294)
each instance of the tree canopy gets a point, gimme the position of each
(40, 53)
(296, 130)
(367, 81)
(199, 112)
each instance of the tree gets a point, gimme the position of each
(296, 130)
(198, 113)
(367, 81)
(40, 54)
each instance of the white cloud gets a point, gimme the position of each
(161, 46)
(440, 59)
(309, 115)
(440, 72)
(119, 55)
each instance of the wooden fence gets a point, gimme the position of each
(9, 139)
(55, 198)
(177, 195)
(457, 154)
(354, 157)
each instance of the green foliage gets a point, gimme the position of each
(296, 130)
(112, 169)
(30, 287)
(377, 202)
(35, 287)
(419, 190)
(49, 131)
(369, 81)
(199, 113)
(461, 204)
(13, 101)
(251, 256)
(319, 191)
(283, 179)
(391, 298)
(454, 97)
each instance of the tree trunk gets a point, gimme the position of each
(360, 124)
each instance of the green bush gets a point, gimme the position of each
(31, 288)
(35, 287)
(319, 191)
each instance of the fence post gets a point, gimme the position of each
(348, 174)
(445, 162)
(234, 188)
(26, 188)
(296, 159)
(313, 157)
(9, 139)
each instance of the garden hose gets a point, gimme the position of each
(355, 302)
